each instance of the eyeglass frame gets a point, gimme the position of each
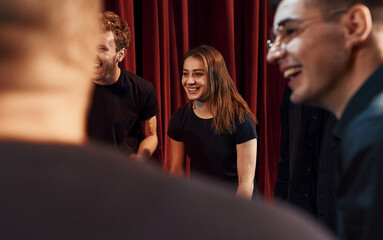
(280, 27)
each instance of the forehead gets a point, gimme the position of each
(107, 39)
(294, 9)
(193, 63)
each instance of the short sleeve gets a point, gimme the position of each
(149, 100)
(245, 131)
(175, 130)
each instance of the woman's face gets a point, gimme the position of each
(194, 79)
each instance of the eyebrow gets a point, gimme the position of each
(284, 21)
(276, 27)
(194, 70)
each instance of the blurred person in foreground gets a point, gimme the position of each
(331, 52)
(55, 185)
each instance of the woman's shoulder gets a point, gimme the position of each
(247, 120)
(246, 129)
(183, 110)
(179, 119)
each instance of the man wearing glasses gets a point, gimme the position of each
(331, 52)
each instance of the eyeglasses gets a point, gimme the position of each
(283, 32)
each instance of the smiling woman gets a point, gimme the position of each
(216, 128)
(194, 79)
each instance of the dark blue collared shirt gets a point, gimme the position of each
(359, 186)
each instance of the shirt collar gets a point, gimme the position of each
(361, 99)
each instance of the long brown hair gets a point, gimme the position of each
(223, 98)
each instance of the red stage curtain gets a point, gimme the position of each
(163, 30)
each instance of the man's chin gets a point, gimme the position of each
(305, 100)
(299, 98)
(98, 80)
(97, 77)
(296, 98)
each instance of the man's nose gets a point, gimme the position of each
(275, 53)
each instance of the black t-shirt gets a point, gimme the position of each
(211, 154)
(117, 109)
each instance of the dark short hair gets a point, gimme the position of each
(274, 4)
(119, 27)
(375, 6)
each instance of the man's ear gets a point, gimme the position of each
(121, 55)
(358, 22)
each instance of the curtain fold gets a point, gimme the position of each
(163, 30)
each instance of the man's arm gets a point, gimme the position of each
(149, 143)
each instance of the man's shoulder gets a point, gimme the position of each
(76, 183)
(134, 80)
(67, 153)
(370, 120)
(365, 131)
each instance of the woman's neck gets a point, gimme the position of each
(201, 109)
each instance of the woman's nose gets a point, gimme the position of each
(190, 81)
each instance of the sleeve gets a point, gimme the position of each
(283, 168)
(149, 107)
(175, 130)
(245, 131)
